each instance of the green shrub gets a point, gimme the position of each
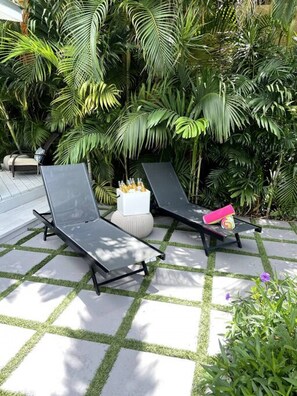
(260, 353)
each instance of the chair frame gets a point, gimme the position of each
(202, 229)
(95, 265)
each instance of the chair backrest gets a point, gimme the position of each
(69, 193)
(165, 184)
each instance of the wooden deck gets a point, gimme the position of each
(19, 195)
(20, 184)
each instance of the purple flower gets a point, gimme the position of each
(265, 277)
(228, 296)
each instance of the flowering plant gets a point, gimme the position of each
(260, 353)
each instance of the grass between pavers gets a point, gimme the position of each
(118, 341)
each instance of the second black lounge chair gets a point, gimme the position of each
(172, 201)
(76, 220)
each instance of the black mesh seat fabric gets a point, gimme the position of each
(172, 200)
(76, 220)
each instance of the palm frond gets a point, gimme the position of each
(67, 105)
(82, 24)
(104, 193)
(98, 95)
(154, 24)
(78, 142)
(286, 193)
(190, 128)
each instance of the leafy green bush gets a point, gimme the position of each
(260, 354)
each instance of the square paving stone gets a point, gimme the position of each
(274, 233)
(171, 325)
(187, 238)
(34, 301)
(248, 245)
(274, 223)
(238, 264)
(65, 268)
(194, 258)
(12, 339)
(287, 250)
(5, 283)
(163, 220)
(52, 242)
(138, 373)
(223, 285)
(183, 226)
(157, 234)
(284, 268)
(18, 237)
(20, 262)
(178, 284)
(218, 323)
(99, 314)
(57, 365)
(129, 283)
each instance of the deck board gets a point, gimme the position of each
(21, 183)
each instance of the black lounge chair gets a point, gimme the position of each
(75, 218)
(172, 201)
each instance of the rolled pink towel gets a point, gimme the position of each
(217, 215)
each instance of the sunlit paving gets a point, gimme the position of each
(148, 198)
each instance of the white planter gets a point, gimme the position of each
(133, 203)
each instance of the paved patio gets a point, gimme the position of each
(144, 336)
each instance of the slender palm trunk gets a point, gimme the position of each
(9, 126)
(274, 183)
(89, 166)
(195, 171)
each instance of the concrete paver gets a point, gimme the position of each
(275, 233)
(218, 325)
(235, 287)
(157, 234)
(69, 364)
(33, 301)
(12, 339)
(52, 242)
(194, 258)
(284, 268)
(238, 264)
(186, 237)
(5, 283)
(273, 223)
(287, 250)
(100, 314)
(143, 373)
(65, 268)
(171, 325)
(57, 365)
(20, 262)
(178, 284)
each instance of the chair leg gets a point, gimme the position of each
(206, 248)
(94, 279)
(45, 233)
(145, 269)
(239, 244)
(97, 284)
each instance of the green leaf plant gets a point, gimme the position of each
(260, 353)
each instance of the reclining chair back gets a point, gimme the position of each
(165, 184)
(69, 194)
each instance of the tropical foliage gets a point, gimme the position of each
(260, 353)
(209, 85)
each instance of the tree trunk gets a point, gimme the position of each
(9, 126)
